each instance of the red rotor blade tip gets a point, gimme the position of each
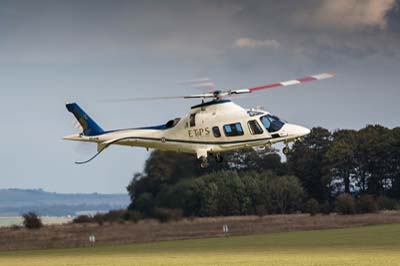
(294, 81)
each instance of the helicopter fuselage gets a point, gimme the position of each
(210, 128)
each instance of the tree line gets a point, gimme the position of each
(324, 171)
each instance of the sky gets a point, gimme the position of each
(53, 52)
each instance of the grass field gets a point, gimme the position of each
(372, 245)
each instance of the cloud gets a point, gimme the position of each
(54, 32)
(252, 43)
(348, 14)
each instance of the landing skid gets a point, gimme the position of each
(204, 161)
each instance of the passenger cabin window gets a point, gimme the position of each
(232, 130)
(271, 123)
(255, 127)
(192, 120)
(216, 132)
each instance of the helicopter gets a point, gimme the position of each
(209, 129)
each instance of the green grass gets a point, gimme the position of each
(17, 220)
(372, 245)
(8, 221)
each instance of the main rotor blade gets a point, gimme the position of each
(200, 83)
(292, 82)
(205, 95)
(193, 81)
(205, 85)
(145, 99)
(217, 94)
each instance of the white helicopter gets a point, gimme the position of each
(209, 129)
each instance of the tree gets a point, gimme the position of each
(366, 203)
(162, 169)
(393, 159)
(249, 159)
(306, 162)
(372, 158)
(144, 203)
(168, 181)
(312, 207)
(345, 204)
(231, 197)
(32, 220)
(339, 159)
(208, 198)
(283, 194)
(255, 181)
(182, 195)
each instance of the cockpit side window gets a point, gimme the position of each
(271, 123)
(192, 120)
(216, 132)
(232, 130)
(255, 127)
(266, 122)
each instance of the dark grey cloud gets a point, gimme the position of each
(75, 31)
(306, 27)
(393, 19)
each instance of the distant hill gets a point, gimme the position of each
(18, 201)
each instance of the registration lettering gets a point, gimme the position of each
(199, 132)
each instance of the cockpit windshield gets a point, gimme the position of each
(271, 123)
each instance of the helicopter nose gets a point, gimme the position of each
(303, 131)
(298, 131)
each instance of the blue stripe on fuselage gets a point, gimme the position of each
(159, 127)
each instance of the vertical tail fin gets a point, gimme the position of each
(90, 127)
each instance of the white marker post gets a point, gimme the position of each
(92, 239)
(225, 228)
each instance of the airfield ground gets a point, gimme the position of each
(77, 235)
(371, 245)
